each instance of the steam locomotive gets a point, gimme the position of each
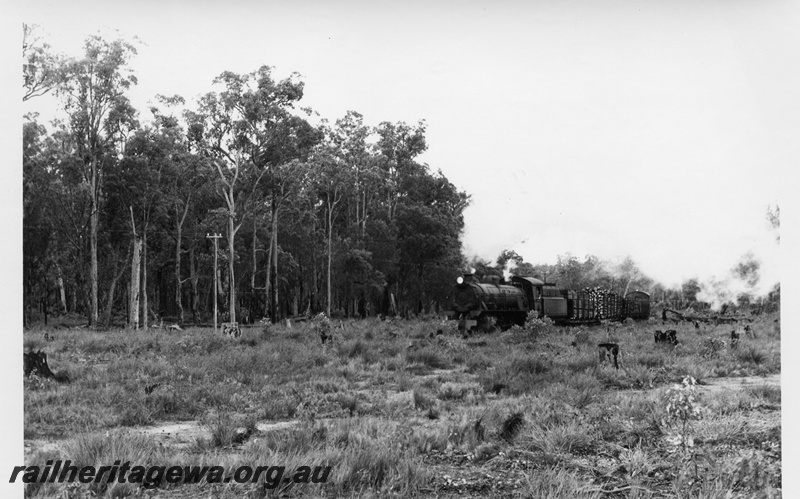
(479, 302)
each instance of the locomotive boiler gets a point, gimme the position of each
(479, 301)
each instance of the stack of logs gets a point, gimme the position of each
(606, 302)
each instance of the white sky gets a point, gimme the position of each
(659, 129)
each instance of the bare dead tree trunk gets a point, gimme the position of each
(194, 278)
(133, 304)
(93, 206)
(330, 237)
(61, 291)
(133, 308)
(112, 288)
(178, 282)
(268, 281)
(274, 273)
(231, 261)
(364, 215)
(144, 278)
(624, 293)
(312, 301)
(228, 194)
(255, 265)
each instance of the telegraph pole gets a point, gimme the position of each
(215, 237)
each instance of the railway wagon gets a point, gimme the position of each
(637, 305)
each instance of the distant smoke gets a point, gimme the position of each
(745, 282)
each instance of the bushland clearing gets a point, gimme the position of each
(397, 410)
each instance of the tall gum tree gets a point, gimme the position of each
(93, 95)
(349, 139)
(333, 180)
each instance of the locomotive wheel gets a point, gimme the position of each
(486, 324)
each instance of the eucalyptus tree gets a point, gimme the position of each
(249, 129)
(42, 69)
(357, 180)
(183, 185)
(423, 213)
(350, 139)
(99, 114)
(429, 221)
(398, 145)
(333, 180)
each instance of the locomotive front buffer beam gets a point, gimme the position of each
(469, 320)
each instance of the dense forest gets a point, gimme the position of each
(122, 206)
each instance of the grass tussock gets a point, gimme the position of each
(392, 407)
(428, 358)
(557, 483)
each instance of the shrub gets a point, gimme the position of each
(571, 437)
(582, 338)
(711, 347)
(477, 362)
(538, 327)
(751, 355)
(135, 414)
(267, 330)
(458, 391)
(222, 427)
(769, 393)
(359, 348)
(348, 403)
(422, 401)
(682, 407)
(511, 426)
(322, 325)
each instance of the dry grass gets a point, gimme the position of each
(396, 412)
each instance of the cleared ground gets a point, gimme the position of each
(397, 410)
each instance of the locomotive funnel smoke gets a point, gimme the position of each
(507, 271)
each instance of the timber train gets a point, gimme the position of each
(481, 302)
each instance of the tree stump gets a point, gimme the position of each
(36, 363)
(609, 350)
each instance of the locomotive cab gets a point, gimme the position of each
(545, 298)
